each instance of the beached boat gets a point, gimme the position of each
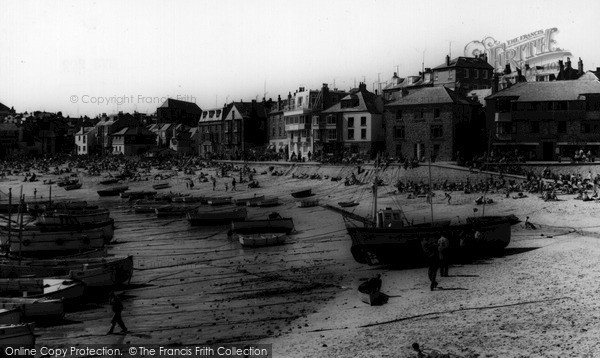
(109, 181)
(264, 239)
(279, 225)
(219, 201)
(212, 216)
(71, 228)
(114, 191)
(35, 307)
(268, 202)
(67, 182)
(5, 208)
(74, 218)
(17, 336)
(149, 207)
(10, 316)
(137, 194)
(73, 186)
(193, 199)
(161, 186)
(37, 207)
(174, 210)
(302, 193)
(347, 204)
(307, 203)
(56, 288)
(245, 201)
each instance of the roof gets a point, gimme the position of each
(84, 130)
(245, 109)
(133, 131)
(431, 95)
(8, 127)
(4, 108)
(549, 91)
(367, 102)
(479, 95)
(189, 107)
(466, 62)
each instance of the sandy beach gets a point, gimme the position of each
(196, 286)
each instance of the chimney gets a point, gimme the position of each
(519, 75)
(279, 102)
(507, 70)
(580, 67)
(495, 82)
(447, 60)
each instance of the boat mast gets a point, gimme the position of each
(21, 203)
(430, 194)
(9, 212)
(375, 216)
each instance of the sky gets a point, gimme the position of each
(90, 57)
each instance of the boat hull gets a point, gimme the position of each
(216, 217)
(10, 316)
(302, 193)
(260, 240)
(35, 307)
(64, 219)
(284, 225)
(307, 203)
(17, 335)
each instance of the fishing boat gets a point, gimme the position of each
(264, 239)
(35, 307)
(211, 216)
(70, 227)
(53, 288)
(73, 186)
(193, 199)
(219, 201)
(146, 207)
(268, 202)
(161, 186)
(17, 335)
(114, 191)
(137, 194)
(302, 193)
(10, 316)
(248, 201)
(73, 218)
(37, 207)
(307, 203)
(174, 210)
(279, 225)
(66, 182)
(347, 204)
(109, 181)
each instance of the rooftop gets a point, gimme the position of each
(431, 95)
(549, 91)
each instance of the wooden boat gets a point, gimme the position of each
(35, 307)
(17, 336)
(268, 202)
(245, 201)
(307, 203)
(161, 186)
(75, 218)
(5, 208)
(219, 201)
(73, 186)
(174, 210)
(211, 216)
(53, 288)
(139, 194)
(67, 182)
(264, 239)
(93, 272)
(193, 199)
(149, 207)
(347, 204)
(60, 229)
(280, 225)
(255, 201)
(114, 191)
(109, 181)
(10, 316)
(37, 207)
(302, 193)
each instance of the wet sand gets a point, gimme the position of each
(194, 285)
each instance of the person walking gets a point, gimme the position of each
(431, 253)
(117, 308)
(444, 255)
(214, 184)
(233, 185)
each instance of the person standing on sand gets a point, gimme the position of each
(444, 255)
(431, 253)
(214, 183)
(117, 308)
(233, 184)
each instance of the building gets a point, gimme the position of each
(356, 122)
(180, 112)
(181, 141)
(393, 90)
(109, 125)
(546, 120)
(463, 74)
(132, 141)
(210, 129)
(5, 111)
(10, 136)
(303, 119)
(244, 128)
(85, 141)
(278, 141)
(433, 121)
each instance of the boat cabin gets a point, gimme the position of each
(390, 218)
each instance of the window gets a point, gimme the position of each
(436, 77)
(476, 73)
(586, 127)
(506, 128)
(273, 132)
(350, 133)
(363, 121)
(436, 150)
(399, 114)
(451, 75)
(466, 73)
(332, 134)
(350, 122)
(399, 132)
(299, 101)
(399, 150)
(534, 127)
(436, 113)
(331, 119)
(436, 131)
(562, 127)
(363, 133)
(485, 74)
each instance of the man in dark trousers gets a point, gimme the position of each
(117, 308)
(444, 255)
(432, 256)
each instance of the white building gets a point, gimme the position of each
(85, 140)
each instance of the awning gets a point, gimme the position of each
(515, 144)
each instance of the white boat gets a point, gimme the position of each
(10, 316)
(58, 288)
(266, 239)
(35, 307)
(218, 201)
(17, 335)
(58, 218)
